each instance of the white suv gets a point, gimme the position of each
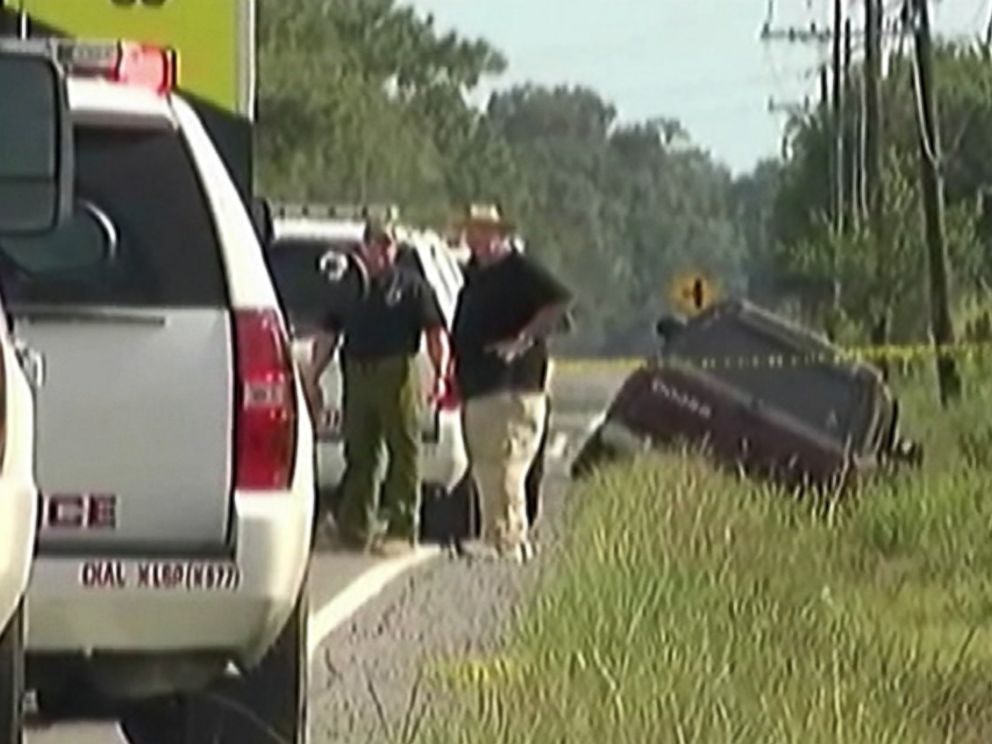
(18, 520)
(35, 193)
(307, 242)
(175, 457)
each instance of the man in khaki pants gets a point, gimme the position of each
(506, 310)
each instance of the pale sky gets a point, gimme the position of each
(700, 61)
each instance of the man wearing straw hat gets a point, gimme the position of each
(509, 306)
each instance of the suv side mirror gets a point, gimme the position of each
(36, 173)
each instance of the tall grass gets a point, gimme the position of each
(690, 606)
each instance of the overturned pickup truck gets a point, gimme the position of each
(757, 393)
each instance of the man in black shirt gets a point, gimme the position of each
(509, 306)
(382, 324)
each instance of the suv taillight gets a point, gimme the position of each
(265, 403)
(452, 399)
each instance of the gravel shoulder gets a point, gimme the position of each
(368, 674)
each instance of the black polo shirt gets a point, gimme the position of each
(386, 316)
(496, 303)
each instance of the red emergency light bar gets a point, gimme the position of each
(125, 62)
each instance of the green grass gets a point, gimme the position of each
(690, 606)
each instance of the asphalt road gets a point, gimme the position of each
(376, 627)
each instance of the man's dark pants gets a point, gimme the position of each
(381, 407)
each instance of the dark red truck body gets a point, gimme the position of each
(758, 393)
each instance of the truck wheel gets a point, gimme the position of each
(159, 721)
(268, 704)
(12, 680)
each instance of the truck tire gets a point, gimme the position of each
(270, 702)
(12, 680)
(267, 704)
(157, 721)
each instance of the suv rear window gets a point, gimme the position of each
(165, 250)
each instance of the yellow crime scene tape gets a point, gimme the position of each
(693, 292)
(899, 353)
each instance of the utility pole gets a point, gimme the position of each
(941, 328)
(874, 195)
(836, 169)
(838, 119)
(873, 116)
(854, 140)
(988, 34)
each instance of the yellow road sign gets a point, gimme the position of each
(693, 293)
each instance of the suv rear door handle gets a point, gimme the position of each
(33, 364)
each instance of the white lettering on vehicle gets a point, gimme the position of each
(683, 400)
(188, 576)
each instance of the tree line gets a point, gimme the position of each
(367, 101)
(879, 293)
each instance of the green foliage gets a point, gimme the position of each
(884, 275)
(690, 606)
(365, 100)
(355, 102)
